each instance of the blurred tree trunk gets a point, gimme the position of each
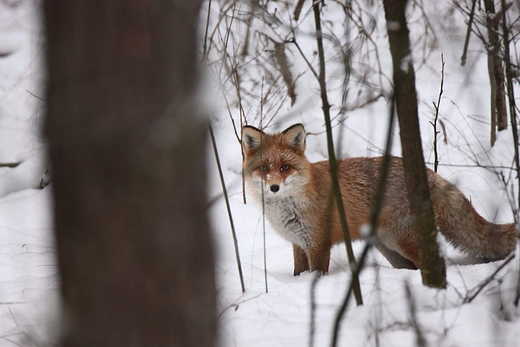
(433, 269)
(127, 151)
(496, 73)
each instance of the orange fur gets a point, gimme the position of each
(299, 205)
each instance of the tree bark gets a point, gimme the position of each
(496, 74)
(433, 269)
(128, 155)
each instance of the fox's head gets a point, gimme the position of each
(275, 162)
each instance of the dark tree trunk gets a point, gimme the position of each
(496, 74)
(432, 265)
(127, 151)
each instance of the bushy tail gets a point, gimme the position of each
(470, 232)
(498, 241)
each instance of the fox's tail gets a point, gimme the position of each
(470, 232)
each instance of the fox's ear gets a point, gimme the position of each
(294, 137)
(251, 138)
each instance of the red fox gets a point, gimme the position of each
(298, 204)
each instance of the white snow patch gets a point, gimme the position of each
(407, 63)
(442, 243)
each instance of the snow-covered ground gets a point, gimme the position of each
(28, 274)
(282, 315)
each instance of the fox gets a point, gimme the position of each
(297, 199)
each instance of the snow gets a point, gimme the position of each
(278, 312)
(406, 63)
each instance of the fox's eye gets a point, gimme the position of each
(263, 167)
(285, 167)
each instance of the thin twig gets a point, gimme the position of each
(293, 40)
(376, 210)
(420, 340)
(263, 198)
(472, 294)
(333, 166)
(333, 172)
(346, 55)
(317, 276)
(468, 34)
(36, 96)
(205, 45)
(236, 305)
(10, 165)
(228, 206)
(312, 323)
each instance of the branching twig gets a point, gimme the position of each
(293, 40)
(472, 294)
(434, 123)
(236, 305)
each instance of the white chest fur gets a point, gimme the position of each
(286, 216)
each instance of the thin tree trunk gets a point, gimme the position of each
(433, 269)
(128, 156)
(496, 74)
(506, 31)
(332, 158)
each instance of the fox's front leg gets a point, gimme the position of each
(301, 262)
(319, 258)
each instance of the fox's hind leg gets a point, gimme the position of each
(394, 258)
(301, 263)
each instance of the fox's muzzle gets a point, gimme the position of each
(274, 188)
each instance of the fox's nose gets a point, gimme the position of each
(274, 188)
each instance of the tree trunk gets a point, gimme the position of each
(127, 151)
(336, 191)
(496, 74)
(432, 265)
